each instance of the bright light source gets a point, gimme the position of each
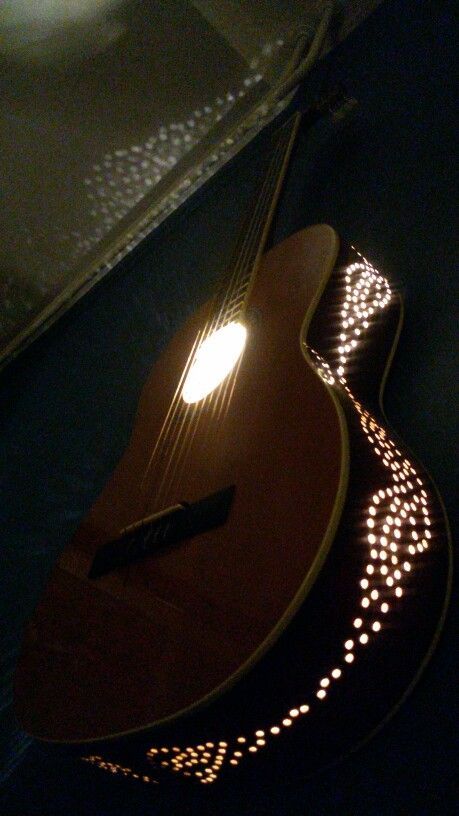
(214, 360)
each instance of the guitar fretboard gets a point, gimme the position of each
(231, 297)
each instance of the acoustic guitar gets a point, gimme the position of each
(267, 570)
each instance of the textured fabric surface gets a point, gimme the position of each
(385, 182)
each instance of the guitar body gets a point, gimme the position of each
(166, 633)
(318, 600)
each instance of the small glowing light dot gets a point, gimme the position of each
(349, 657)
(399, 592)
(376, 626)
(370, 523)
(241, 739)
(364, 583)
(286, 722)
(322, 693)
(363, 638)
(304, 709)
(372, 538)
(384, 607)
(350, 643)
(390, 581)
(259, 733)
(325, 682)
(357, 623)
(293, 712)
(252, 749)
(336, 673)
(275, 729)
(374, 594)
(406, 566)
(261, 742)
(370, 569)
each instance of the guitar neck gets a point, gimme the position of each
(235, 288)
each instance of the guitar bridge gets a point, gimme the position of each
(166, 528)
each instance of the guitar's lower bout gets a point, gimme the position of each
(323, 641)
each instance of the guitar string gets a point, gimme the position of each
(169, 412)
(221, 403)
(228, 385)
(265, 200)
(224, 397)
(177, 404)
(242, 280)
(176, 415)
(218, 396)
(186, 435)
(273, 167)
(225, 403)
(189, 417)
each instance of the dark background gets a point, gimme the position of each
(384, 180)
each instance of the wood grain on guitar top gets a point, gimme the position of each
(141, 645)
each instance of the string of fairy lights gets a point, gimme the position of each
(397, 526)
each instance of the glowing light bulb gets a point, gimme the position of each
(213, 361)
